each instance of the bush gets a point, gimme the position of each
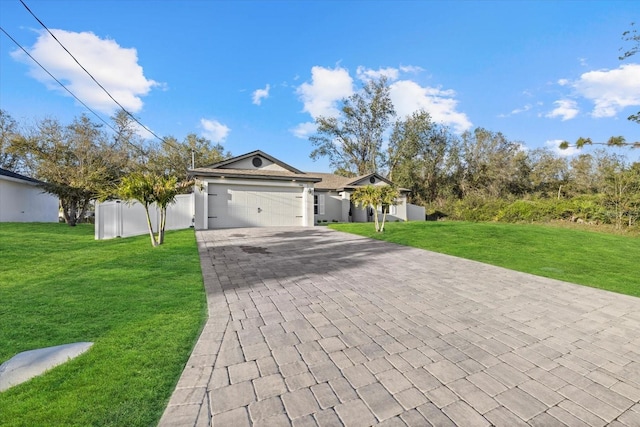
(476, 209)
(518, 211)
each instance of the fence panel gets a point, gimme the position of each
(415, 212)
(119, 219)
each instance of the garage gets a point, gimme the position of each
(231, 206)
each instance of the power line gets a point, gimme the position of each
(57, 81)
(164, 141)
(69, 90)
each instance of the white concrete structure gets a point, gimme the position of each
(258, 190)
(22, 200)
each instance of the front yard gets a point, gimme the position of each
(600, 260)
(143, 308)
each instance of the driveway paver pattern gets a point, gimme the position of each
(313, 327)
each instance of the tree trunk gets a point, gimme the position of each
(384, 218)
(163, 221)
(69, 211)
(154, 242)
(375, 218)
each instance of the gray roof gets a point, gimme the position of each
(14, 175)
(322, 180)
(254, 174)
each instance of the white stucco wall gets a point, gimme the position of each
(332, 207)
(22, 201)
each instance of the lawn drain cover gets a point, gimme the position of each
(254, 250)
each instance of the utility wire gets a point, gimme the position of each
(96, 81)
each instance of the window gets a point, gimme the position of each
(390, 209)
(318, 204)
(257, 162)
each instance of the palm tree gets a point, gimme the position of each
(368, 196)
(139, 187)
(147, 189)
(376, 196)
(388, 196)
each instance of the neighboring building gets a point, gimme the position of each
(258, 190)
(23, 200)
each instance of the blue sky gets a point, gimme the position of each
(254, 74)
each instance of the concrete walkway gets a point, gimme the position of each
(315, 327)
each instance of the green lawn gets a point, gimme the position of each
(594, 259)
(143, 308)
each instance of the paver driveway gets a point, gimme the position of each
(310, 326)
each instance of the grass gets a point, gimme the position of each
(599, 260)
(143, 308)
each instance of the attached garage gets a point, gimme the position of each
(253, 190)
(232, 206)
(258, 190)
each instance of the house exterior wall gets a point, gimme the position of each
(332, 207)
(22, 201)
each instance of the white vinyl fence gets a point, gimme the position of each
(116, 218)
(415, 212)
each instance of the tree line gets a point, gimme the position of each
(81, 161)
(480, 175)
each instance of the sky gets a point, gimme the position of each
(254, 75)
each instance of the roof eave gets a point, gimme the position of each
(220, 174)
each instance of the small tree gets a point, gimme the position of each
(388, 197)
(165, 191)
(373, 197)
(148, 189)
(139, 187)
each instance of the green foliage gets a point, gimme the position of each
(142, 307)
(374, 197)
(476, 209)
(149, 188)
(353, 141)
(9, 157)
(599, 260)
(172, 157)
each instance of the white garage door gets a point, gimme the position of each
(248, 206)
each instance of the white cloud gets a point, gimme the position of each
(214, 130)
(611, 90)
(411, 69)
(566, 109)
(517, 111)
(366, 74)
(304, 130)
(259, 94)
(563, 82)
(408, 96)
(327, 87)
(554, 145)
(115, 67)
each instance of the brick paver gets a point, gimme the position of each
(308, 326)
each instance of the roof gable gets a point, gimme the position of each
(255, 160)
(369, 179)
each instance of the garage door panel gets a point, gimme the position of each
(249, 206)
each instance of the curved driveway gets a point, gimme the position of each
(309, 326)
